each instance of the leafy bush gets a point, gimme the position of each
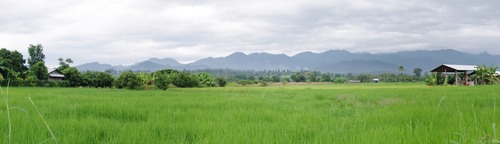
(163, 78)
(72, 75)
(221, 81)
(431, 79)
(97, 79)
(206, 80)
(184, 79)
(340, 80)
(128, 80)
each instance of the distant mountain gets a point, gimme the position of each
(165, 61)
(146, 66)
(254, 61)
(94, 66)
(338, 61)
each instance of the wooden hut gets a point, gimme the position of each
(457, 70)
(55, 75)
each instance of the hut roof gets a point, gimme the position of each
(452, 68)
(56, 74)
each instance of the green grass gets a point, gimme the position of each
(320, 113)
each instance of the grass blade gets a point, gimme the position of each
(45, 122)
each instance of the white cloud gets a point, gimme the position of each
(127, 31)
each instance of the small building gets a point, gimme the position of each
(55, 75)
(376, 80)
(457, 70)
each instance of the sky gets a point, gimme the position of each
(122, 32)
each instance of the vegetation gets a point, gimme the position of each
(485, 75)
(98, 79)
(128, 80)
(38, 71)
(36, 54)
(327, 113)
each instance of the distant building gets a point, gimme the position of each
(55, 75)
(376, 80)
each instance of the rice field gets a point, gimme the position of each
(311, 113)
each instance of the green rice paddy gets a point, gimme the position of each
(311, 113)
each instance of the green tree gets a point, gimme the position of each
(184, 79)
(74, 76)
(64, 63)
(128, 80)
(39, 71)
(326, 78)
(221, 81)
(163, 78)
(401, 69)
(311, 77)
(13, 62)
(417, 72)
(36, 54)
(485, 75)
(97, 79)
(298, 77)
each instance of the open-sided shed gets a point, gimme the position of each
(457, 70)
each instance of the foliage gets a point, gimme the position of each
(38, 71)
(431, 79)
(207, 80)
(485, 75)
(128, 80)
(298, 77)
(184, 79)
(312, 77)
(63, 64)
(13, 64)
(401, 69)
(365, 78)
(340, 80)
(163, 78)
(36, 54)
(74, 76)
(97, 79)
(146, 78)
(417, 72)
(326, 78)
(221, 81)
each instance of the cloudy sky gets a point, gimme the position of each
(127, 31)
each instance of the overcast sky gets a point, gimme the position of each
(128, 31)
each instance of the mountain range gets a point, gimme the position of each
(338, 61)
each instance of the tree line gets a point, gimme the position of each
(15, 72)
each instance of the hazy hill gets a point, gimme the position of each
(165, 61)
(339, 61)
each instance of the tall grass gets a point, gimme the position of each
(359, 113)
(6, 100)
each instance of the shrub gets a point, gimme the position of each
(431, 79)
(184, 79)
(221, 81)
(97, 79)
(206, 80)
(128, 80)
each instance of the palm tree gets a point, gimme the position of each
(485, 75)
